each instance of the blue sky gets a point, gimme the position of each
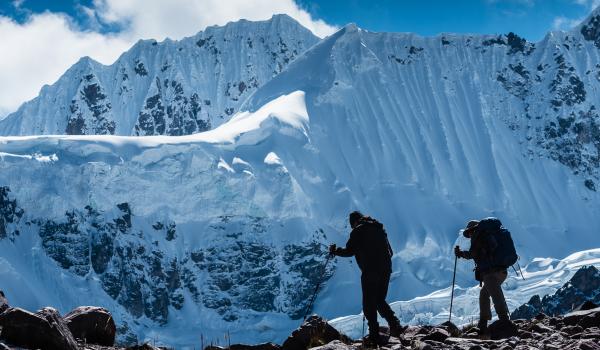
(529, 18)
(45, 37)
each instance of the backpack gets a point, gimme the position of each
(505, 253)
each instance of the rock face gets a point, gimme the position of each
(583, 287)
(168, 88)
(233, 275)
(3, 302)
(44, 329)
(93, 325)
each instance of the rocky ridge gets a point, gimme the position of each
(165, 88)
(584, 287)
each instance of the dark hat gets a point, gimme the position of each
(355, 216)
(471, 225)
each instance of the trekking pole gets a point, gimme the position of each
(314, 296)
(363, 332)
(453, 280)
(523, 277)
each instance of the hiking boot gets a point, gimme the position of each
(374, 340)
(396, 329)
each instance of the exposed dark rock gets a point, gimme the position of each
(66, 243)
(587, 305)
(94, 325)
(591, 30)
(437, 334)
(3, 302)
(452, 329)
(583, 286)
(44, 329)
(10, 214)
(139, 68)
(315, 331)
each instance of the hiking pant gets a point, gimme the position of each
(374, 290)
(492, 287)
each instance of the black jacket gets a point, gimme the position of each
(368, 243)
(482, 246)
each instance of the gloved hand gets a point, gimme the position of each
(458, 252)
(332, 249)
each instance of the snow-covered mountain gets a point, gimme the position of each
(227, 229)
(166, 88)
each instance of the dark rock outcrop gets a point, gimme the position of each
(583, 287)
(3, 302)
(44, 329)
(315, 331)
(94, 325)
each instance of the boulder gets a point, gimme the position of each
(315, 331)
(93, 325)
(589, 345)
(573, 318)
(591, 320)
(587, 305)
(502, 329)
(438, 334)
(451, 328)
(44, 329)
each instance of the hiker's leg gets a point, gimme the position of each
(485, 311)
(369, 299)
(493, 283)
(382, 306)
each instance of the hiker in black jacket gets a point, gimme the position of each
(487, 273)
(368, 243)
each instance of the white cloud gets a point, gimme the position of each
(158, 19)
(564, 23)
(43, 47)
(40, 50)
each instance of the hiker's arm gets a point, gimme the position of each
(349, 250)
(465, 254)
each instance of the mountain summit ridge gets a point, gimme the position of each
(167, 88)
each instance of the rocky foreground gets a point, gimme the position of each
(546, 323)
(93, 328)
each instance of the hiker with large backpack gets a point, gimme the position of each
(368, 243)
(493, 251)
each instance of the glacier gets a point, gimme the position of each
(226, 230)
